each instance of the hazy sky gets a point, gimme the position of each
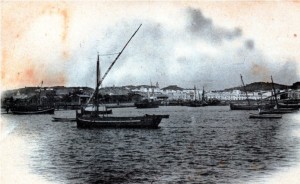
(204, 44)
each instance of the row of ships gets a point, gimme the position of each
(90, 115)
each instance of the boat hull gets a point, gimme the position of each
(147, 121)
(42, 111)
(283, 106)
(63, 119)
(278, 111)
(146, 105)
(250, 107)
(99, 112)
(265, 116)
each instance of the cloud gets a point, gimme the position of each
(249, 44)
(204, 28)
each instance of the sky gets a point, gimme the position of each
(179, 43)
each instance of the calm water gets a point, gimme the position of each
(195, 145)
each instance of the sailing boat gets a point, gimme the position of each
(149, 102)
(282, 105)
(249, 106)
(35, 108)
(197, 103)
(95, 120)
(282, 108)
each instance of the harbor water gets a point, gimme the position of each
(195, 145)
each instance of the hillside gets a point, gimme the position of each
(257, 86)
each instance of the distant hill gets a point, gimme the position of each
(257, 86)
(172, 87)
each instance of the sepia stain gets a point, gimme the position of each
(15, 31)
(261, 71)
(66, 20)
(3, 63)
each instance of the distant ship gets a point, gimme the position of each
(31, 108)
(195, 102)
(147, 103)
(249, 106)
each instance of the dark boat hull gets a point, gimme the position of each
(147, 121)
(99, 112)
(143, 105)
(282, 106)
(42, 111)
(278, 111)
(264, 116)
(64, 119)
(250, 107)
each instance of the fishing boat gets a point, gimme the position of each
(90, 110)
(282, 106)
(146, 121)
(249, 106)
(95, 120)
(196, 102)
(147, 103)
(32, 108)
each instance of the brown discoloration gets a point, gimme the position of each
(260, 70)
(66, 54)
(3, 63)
(20, 68)
(66, 20)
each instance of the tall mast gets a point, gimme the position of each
(97, 87)
(152, 89)
(195, 91)
(203, 94)
(40, 100)
(275, 95)
(245, 90)
(112, 64)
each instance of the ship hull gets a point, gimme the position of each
(144, 105)
(250, 107)
(42, 111)
(146, 121)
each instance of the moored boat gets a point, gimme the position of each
(251, 106)
(283, 106)
(146, 121)
(147, 103)
(265, 116)
(95, 120)
(24, 110)
(30, 108)
(278, 111)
